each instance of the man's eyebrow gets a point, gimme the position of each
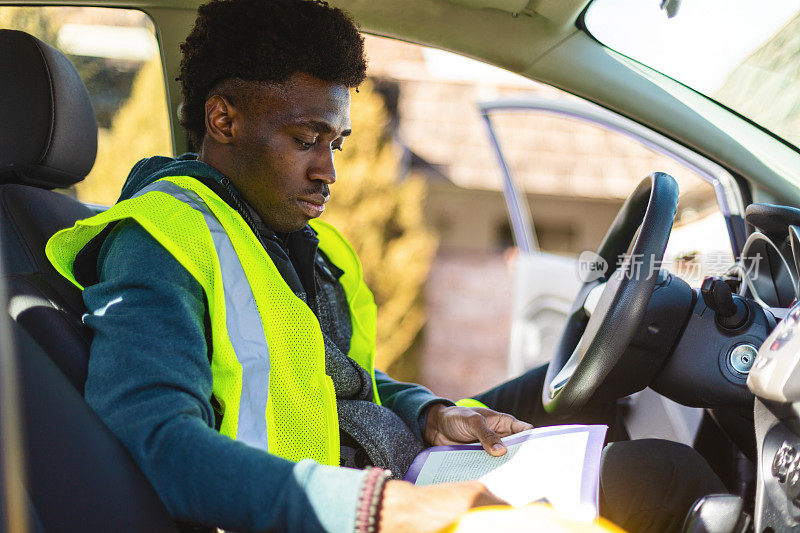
(321, 127)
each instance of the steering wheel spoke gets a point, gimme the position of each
(564, 375)
(593, 298)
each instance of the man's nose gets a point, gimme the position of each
(322, 168)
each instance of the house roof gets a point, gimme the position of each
(439, 122)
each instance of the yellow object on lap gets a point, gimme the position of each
(535, 517)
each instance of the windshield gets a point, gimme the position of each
(741, 53)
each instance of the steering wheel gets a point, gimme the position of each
(608, 311)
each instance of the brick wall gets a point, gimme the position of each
(466, 338)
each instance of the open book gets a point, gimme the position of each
(559, 464)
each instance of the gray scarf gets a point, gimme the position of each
(386, 439)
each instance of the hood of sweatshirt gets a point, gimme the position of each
(152, 169)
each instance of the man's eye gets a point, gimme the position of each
(305, 145)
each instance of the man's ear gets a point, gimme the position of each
(221, 119)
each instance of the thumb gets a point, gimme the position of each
(489, 439)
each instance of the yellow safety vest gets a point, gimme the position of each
(268, 362)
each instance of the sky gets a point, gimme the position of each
(701, 45)
(116, 42)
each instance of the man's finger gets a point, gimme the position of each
(489, 439)
(518, 425)
(504, 423)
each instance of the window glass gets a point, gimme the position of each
(431, 99)
(574, 177)
(116, 54)
(741, 53)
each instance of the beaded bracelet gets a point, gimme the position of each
(369, 500)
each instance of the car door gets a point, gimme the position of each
(549, 269)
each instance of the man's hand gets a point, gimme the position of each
(406, 507)
(459, 425)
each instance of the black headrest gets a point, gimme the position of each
(48, 133)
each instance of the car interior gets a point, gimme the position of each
(729, 347)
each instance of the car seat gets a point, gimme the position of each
(79, 475)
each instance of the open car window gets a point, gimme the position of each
(742, 54)
(116, 54)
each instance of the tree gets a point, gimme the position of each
(382, 217)
(139, 129)
(40, 22)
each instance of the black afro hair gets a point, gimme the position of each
(265, 41)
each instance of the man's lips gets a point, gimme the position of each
(317, 199)
(313, 205)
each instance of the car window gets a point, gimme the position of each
(740, 53)
(431, 98)
(116, 54)
(574, 176)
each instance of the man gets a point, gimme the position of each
(234, 336)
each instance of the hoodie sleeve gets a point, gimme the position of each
(150, 382)
(408, 400)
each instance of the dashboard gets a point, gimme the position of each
(769, 272)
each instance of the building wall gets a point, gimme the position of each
(465, 341)
(477, 220)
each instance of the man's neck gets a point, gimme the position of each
(212, 158)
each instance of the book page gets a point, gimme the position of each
(560, 464)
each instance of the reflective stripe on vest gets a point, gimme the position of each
(241, 315)
(244, 288)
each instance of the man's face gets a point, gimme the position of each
(281, 156)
